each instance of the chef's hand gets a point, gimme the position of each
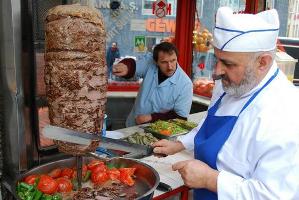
(167, 147)
(141, 119)
(120, 69)
(197, 174)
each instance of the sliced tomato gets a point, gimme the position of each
(67, 172)
(64, 185)
(126, 179)
(126, 175)
(114, 174)
(94, 163)
(128, 170)
(100, 168)
(47, 184)
(31, 179)
(99, 178)
(55, 173)
(165, 132)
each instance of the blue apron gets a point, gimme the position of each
(213, 134)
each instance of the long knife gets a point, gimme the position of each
(67, 135)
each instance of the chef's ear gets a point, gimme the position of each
(265, 61)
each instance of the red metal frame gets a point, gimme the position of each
(123, 87)
(184, 190)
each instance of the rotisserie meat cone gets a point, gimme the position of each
(75, 71)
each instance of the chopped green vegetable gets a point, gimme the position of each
(38, 195)
(26, 186)
(87, 176)
(141, 138)
(47, 197)
(56, 197)
(75, 184)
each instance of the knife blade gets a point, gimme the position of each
(68, 135)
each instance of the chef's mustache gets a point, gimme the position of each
(218, 77)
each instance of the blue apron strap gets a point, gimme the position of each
(257, 92)
(214, 108)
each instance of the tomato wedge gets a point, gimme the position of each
(99, 178)
(126, 175)
(94, 163)
(64, 185)
(47, 184)
(55, 173)
(114, 174)
(99, 168)
(67, 172)
(31, 179)
(165, 132)
(128, 170)
(126, 179)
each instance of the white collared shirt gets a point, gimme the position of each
(260, 159)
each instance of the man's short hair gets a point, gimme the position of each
(164, 47)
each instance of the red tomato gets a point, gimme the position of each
(128, 170)
(94, 163)
(114, 174)
(55, 173)
(67, 172)
(31, 179)
(99, 168)
(99, 178)
(165, 132)
(126, 175)
(47, 184)
(64, 185)
(126, 179)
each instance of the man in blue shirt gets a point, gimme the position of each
(112, 54)
(166, 91)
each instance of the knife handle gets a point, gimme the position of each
(164, 187)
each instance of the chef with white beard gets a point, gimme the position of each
(247, 146)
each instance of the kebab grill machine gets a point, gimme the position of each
(52, 57)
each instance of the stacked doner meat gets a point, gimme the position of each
(75, 71)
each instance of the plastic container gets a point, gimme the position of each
(286, 63)
(104, 126)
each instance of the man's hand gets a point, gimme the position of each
(197, 174)
(120, 69)
(141, 119)
(167, 147)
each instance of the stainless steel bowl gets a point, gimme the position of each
(147, 178)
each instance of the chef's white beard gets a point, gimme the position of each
(249, 82)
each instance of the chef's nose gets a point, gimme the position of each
(218, 70)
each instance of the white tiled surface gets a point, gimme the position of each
(164, 168)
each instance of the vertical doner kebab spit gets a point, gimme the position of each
(75, 72)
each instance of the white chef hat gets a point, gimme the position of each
(245, 32)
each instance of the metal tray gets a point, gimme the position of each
(161, 136)
(146, 181)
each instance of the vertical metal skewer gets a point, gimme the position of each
(79, 171)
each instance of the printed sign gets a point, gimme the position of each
(139, 44)
(160, 8)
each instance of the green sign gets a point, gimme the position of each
(139, 43)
